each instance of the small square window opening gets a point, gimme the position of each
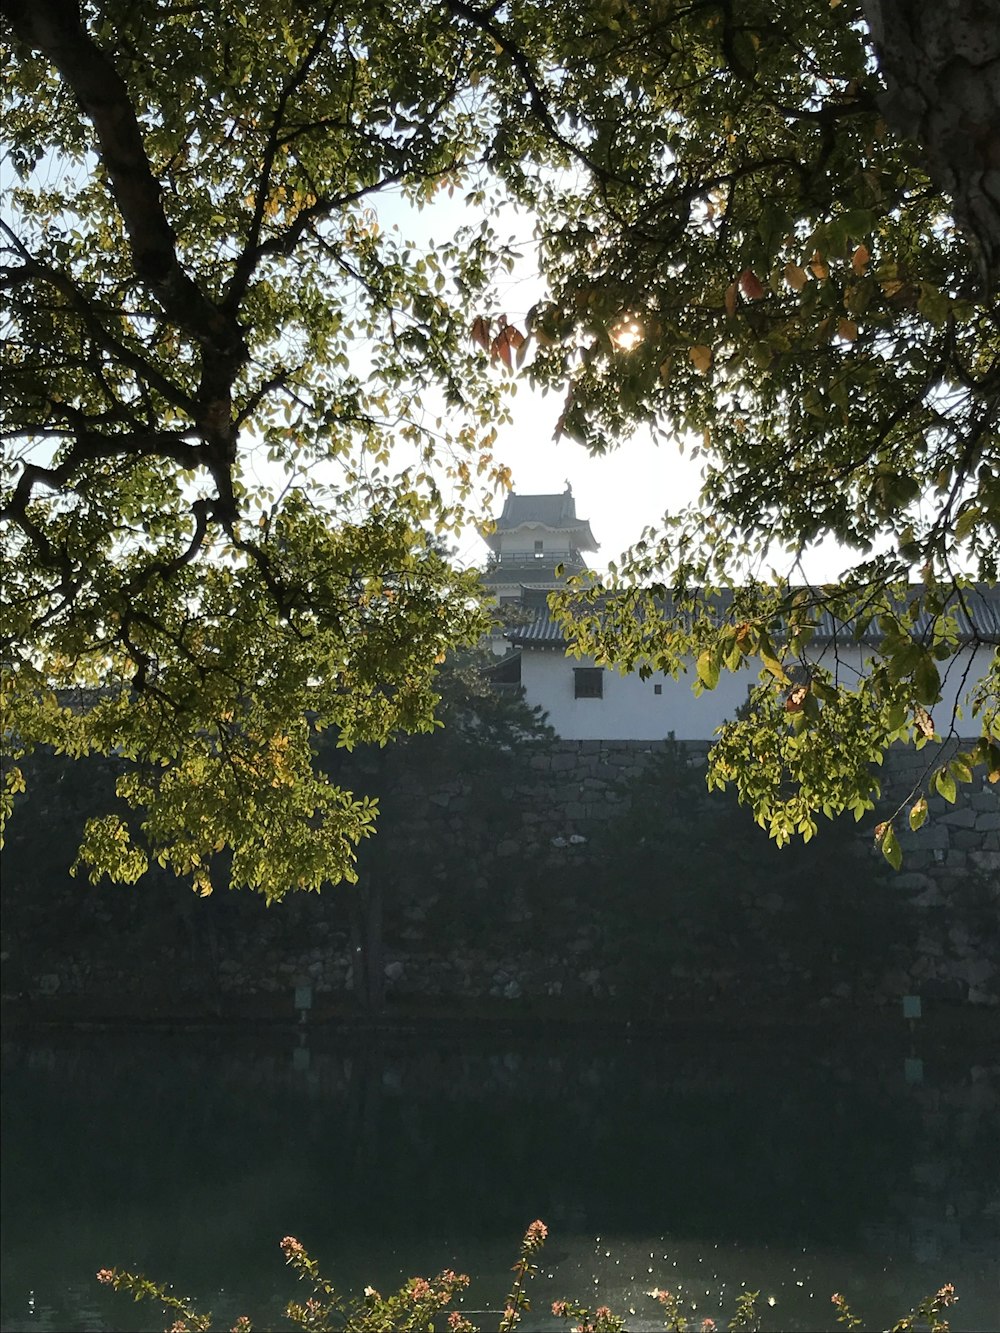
(588, 683)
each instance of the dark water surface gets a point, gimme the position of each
(798, 1169)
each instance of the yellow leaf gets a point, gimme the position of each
(732, 296)
(817, 268)
(701, 357)
(796, 277)
(924, 722)
(860, 258)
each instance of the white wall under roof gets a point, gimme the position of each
(631, 710)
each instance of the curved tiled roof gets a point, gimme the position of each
(556, 512)
(978, 620)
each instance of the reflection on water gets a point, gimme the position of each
(189, 1156)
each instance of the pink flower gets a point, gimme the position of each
(708, 1326)
(106, 1275)
(603, 1312)
(947, 1294)
(242, 1324)
(420, 1288)
(291, 1246)
(559, 1308)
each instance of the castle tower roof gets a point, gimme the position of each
(552, 513)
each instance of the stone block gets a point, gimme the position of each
(984, 800)
(987, 823)
(961, 818)
(975, 971)
(912, 879)
(931, 837)
(967, 837)
(985, 860)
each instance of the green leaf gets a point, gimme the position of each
(927, 681)
(918, 813)
(707, 668)
(960, 768)
(945, 784)
(890, 848)
(776, 669)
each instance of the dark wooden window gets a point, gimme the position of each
(657, 689)
(588, 682)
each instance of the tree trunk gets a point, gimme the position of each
(940, 60)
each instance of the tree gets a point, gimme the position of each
(201, 299)
(736, 239)
(782, 238)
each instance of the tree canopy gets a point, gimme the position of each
(238, 399)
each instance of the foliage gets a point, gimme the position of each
(237, 396)
(213, 350)
(419, 1304)
(751, 258)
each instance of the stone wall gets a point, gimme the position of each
(597, 876)
(958, 841)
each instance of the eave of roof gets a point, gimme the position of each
(980, 623)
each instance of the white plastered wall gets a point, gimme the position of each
(632, 710)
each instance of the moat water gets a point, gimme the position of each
(796, 1169)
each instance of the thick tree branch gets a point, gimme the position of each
(54, 29)
(88, 448)
(941, 64)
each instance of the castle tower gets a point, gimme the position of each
(533, 535)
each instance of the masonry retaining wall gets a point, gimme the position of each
(588, 873)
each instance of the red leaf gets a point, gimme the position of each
(481, 332)
(753, 288)
(507, 340)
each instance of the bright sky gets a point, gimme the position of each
(619, 493)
